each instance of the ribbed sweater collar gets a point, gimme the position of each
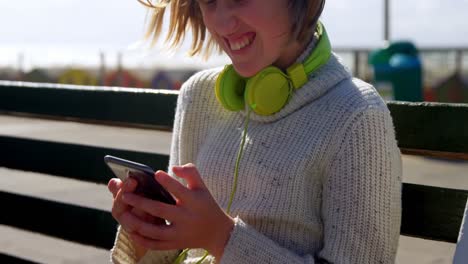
(319, 83)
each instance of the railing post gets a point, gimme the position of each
(356, 63)
(458, 61)
(387, 20)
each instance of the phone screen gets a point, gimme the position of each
(144, 175)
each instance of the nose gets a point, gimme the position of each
(225, 19)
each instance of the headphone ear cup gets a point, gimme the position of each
(268, 91)
(230, 88)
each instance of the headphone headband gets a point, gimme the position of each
(320, 55)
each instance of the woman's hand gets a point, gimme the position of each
(196, 220)
(118, 188)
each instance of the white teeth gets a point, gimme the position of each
(240, 43)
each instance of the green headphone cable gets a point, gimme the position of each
(239, 157)
(183, 254)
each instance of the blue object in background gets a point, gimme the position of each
(398, 72)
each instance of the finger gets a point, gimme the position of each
(147, 217)
(152, 207)
(154, 244)
(133, 224)
(142, 215)
(114, 186)
(119, 207)
(190, 173)
(129, 185)
(172, 185)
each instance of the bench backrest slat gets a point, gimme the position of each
(432, 212)
(143, 107)
(432, 127)
(66, 221)
(64, 159)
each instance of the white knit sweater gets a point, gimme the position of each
(320, 181)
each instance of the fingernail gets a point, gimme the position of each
(158, 173)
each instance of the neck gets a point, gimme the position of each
(295, 51)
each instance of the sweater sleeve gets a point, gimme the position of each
(123, 252)
(361, 206)
(361, 203)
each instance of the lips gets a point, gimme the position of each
(240, 42)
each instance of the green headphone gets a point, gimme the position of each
(269, 90)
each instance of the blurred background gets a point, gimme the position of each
(411, 50)
(100, 43)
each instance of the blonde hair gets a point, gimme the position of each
(186, 13)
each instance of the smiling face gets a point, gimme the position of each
(253, 33)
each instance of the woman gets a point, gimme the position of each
(319, 179)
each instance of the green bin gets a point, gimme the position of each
(398, 72)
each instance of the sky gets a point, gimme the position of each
(60, 30)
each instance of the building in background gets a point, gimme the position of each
(78, 77)
(453, 89)
(123, 78)
(37, 75)
(170, 79)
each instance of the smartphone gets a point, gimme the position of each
(143, 174)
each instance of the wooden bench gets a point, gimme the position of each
(427, 129)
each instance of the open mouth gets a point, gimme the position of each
(242, 42)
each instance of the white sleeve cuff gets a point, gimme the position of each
(123, 252)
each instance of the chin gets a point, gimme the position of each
(247, 70)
